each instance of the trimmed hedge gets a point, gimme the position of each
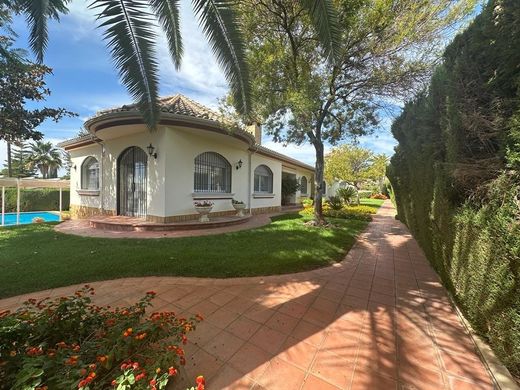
(38, 199)
(456, 174)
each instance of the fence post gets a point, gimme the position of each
(17, 201)
(3, 205)
(60, 201)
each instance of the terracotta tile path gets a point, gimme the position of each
(378, 320)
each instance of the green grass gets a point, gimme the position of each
(35, 257)
(376, 203)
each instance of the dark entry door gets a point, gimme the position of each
(132, 172)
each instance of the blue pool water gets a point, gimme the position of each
(10, 218)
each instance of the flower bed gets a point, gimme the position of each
(70, 343)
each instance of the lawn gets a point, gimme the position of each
(35, 257)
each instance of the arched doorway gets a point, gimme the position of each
(132, 182)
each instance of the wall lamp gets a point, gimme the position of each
(151, 153)
(238, 165)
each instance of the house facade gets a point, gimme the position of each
(122, 168)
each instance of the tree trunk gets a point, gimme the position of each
(318, 181)
(357, 193)
(9, 162)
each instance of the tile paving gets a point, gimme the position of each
(380, 319)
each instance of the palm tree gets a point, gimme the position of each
(131, 39)
(46, 157)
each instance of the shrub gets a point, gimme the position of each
(364, 193)
(70, 343)
(307, 202)
(289, 187)
(335, 202)
(348, 193)
(38, 199)
(346, 212)
(378, 196)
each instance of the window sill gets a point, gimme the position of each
(212, 195)
(259, 195)
(88, 192)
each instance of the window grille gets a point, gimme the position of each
(303, 185)
(212, 173)
(90, 174)
(263, 179)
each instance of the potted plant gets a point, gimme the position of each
(239, 206)
(203, 208)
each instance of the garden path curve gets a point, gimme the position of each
(380, 319)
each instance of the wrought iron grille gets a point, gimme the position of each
(132, 173)
(303, 185)
(90, 174)
(212, 173)
(263, 179)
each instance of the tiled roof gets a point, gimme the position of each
(281, 156)
(177, 104)
(78, 140)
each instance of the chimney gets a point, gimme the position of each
(255, 129)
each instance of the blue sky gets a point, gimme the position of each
(84, 80)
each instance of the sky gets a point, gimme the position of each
(85, 81)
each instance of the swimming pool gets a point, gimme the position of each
(10, 218)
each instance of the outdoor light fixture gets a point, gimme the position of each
(238, 165)
(151, 151)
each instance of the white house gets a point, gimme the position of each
(121, 168)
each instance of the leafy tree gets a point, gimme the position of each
(20, 161)
(354, 165)
(46, 157)
(22, 82)
(129, 32)
(386, 51)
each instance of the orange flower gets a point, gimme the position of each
(12, 353)
(102, 358)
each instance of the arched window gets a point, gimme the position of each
(263, 179)
(303, 185)
(90, 174)
(212, 173)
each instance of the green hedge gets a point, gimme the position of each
(40, 199)
(456, 174)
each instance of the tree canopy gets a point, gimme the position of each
(129, 31)
(354, 165)
(387, 51)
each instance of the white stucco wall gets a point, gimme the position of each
(171, 176)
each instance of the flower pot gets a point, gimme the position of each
(203, 211)
(239, 207)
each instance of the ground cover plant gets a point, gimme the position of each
(35, 257)
(71, 343)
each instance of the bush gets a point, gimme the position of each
(289, 187)
(378, 196)
(70, 343)
(456, 179)
(38, 199)
(362, 213)
(307, 202)
(348, 193)
(335, 202)
(364, 193)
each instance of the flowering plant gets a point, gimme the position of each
(70, 343)
(204, 203)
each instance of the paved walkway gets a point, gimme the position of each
(378, 320)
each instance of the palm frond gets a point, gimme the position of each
(167, 11)
(219, 23)
(37, 14)
(325, 19)
(130, 38)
